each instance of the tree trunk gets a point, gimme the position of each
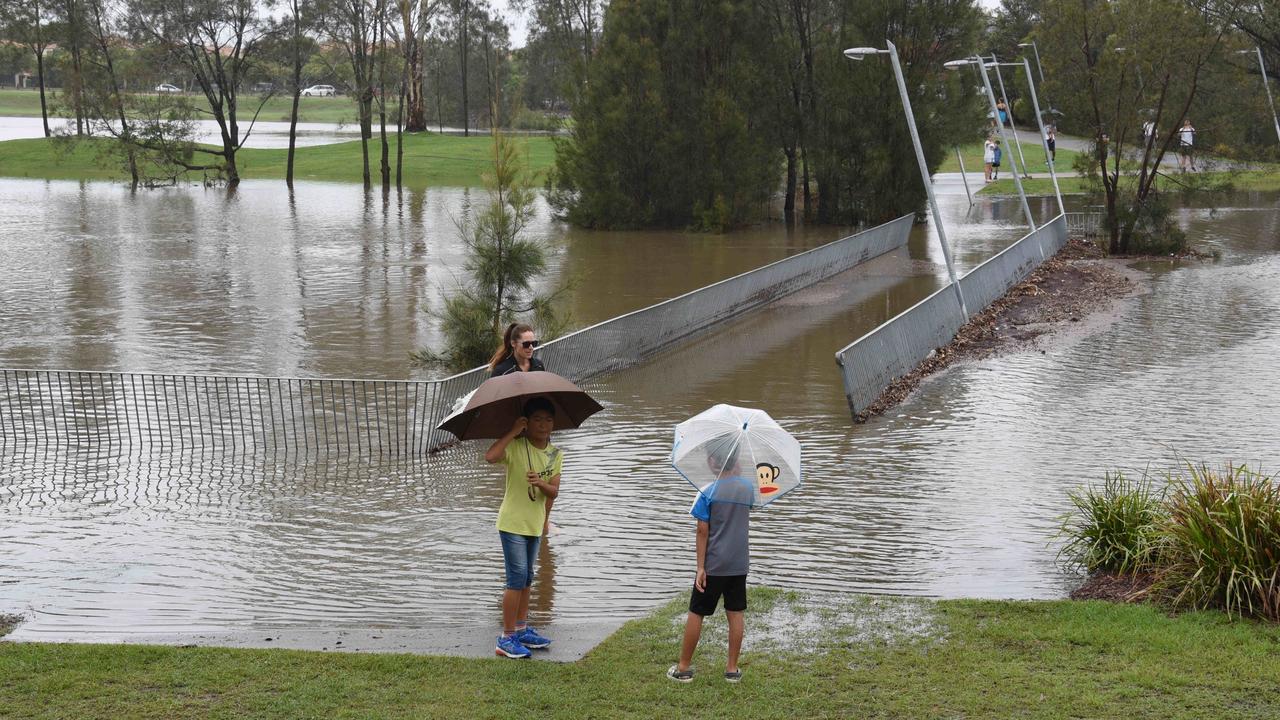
(789, 204)
(385, 163)
(44, 107)
(297, 93)
(464, 45)
(404, 82)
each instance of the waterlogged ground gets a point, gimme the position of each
(956, 493)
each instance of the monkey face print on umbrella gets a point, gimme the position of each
(727, 442)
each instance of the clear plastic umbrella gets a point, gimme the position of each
(755, 458)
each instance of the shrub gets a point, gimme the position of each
(1222, 542)
(1115, 528)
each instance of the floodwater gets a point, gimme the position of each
(954, 493)
(265, 133)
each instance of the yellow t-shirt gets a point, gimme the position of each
(524, 507)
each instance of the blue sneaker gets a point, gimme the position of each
(530, 638)
(511, 647)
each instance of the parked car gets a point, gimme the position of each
(319, 91)
(167, 88)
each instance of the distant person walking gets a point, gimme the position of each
(516, 353)
(988, 157)
(1003, 109)
(1186, 144)
(1051, 141)
(1148, 133)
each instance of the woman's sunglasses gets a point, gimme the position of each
(526, 344)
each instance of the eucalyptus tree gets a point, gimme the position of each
(70, 17)
(26, 22)
(103, 22)
(416, 17)
(569, 30)
(218, 43)
(354, 25)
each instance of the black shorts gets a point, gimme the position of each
(732, 587)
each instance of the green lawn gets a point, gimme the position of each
(429, 160)
(868, 658)
(1262, 180)
(19, 103)
(1034, 153)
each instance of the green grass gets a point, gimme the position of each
(429, 160)
(1034, 153)
(1261, 180)
(965, 659)
(26, 103)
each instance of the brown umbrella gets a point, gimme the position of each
(496, 404)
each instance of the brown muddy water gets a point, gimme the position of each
(955, 493)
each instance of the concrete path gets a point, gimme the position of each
(570, 640)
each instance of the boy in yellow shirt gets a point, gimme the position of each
(533, 478)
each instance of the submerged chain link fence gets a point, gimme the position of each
(871, 363)
(272, 416)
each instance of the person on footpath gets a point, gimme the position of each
(723, 512)
(1003, 108)
(516, 352)
(1186, 143)
(533, 477)
(995, 161)
(1051, 141)
(988, 157)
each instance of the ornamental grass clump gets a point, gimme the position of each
(1221, 542)
(1115, 528)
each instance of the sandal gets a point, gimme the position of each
(733, 676)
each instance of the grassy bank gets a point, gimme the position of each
(868, 658)
(26, 103)
(972, 154)
(1262, 180)
(429, 160)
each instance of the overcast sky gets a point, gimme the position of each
(519, 23)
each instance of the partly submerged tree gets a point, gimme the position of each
(218, 43)
(503, 266)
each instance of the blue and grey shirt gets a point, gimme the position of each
(725, 505)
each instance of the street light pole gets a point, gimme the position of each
(991, 97)
(892, 52)
(1262, 66)
(1044, 141)
(1009, 108)
(1040, 69)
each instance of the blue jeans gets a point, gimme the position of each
(519, 553)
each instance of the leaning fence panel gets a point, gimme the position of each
(126, 412)
(871, 363)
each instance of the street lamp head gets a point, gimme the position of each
(956, 64)
(860, 52)
(1030, 44)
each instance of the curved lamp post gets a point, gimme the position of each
(1004, 138)
(1009, 108)
(1044, 143)
(859, 53)
(1262, 67)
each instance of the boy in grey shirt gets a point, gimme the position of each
(723, 512)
